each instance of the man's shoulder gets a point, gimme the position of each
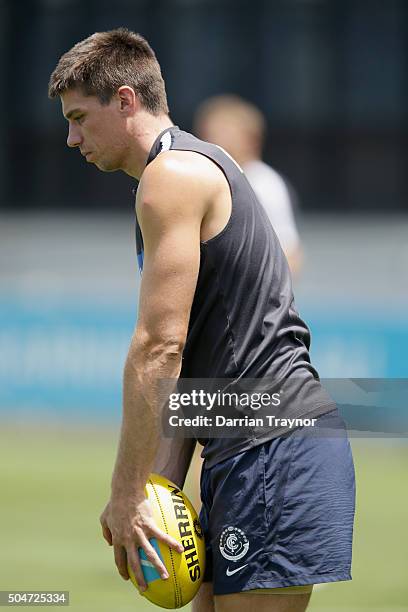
(175, 162)
(179, 170)
(174, 185)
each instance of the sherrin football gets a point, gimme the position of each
(175, 515)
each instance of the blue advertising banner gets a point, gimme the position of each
(65, 359)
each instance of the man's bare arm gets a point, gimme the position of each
(173, 459)
(170, 209)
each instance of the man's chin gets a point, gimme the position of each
(104, 167)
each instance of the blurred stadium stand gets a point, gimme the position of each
(330, 75)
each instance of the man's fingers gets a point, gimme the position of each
(121, 561)
(153, 558)
(135, 565)
(106, 533)
(171, 542)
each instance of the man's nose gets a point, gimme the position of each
(74, 136)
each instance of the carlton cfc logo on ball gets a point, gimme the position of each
(233, 544)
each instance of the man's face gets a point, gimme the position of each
(99, 130)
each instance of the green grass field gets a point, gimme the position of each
(55, 482)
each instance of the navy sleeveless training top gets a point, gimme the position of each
(243, 320)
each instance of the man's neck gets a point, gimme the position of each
(143, 133)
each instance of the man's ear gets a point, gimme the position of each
(128, 100)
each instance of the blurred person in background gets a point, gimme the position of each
(239, 127)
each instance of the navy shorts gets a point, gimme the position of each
(281, 514)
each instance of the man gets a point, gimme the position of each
(239, 127)
(215, 302)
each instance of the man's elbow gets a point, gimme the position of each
(156, 349)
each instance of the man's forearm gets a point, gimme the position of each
(141, 429)
(173, 458)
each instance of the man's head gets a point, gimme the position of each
(107, 83)
(232, 123)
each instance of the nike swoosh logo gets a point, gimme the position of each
(230, 572)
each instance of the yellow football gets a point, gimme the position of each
(175, 515)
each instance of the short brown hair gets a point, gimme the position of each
(105, 61)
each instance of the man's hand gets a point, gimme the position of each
(128, 525)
